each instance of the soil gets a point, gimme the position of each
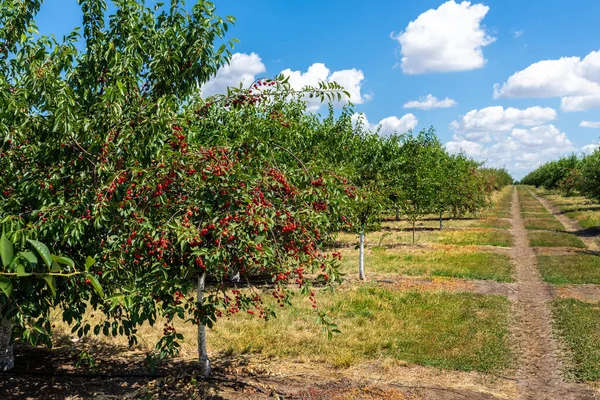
(587, 292)
(539, 365)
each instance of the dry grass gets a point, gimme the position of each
(585, 211)
(579, 325)
(543, 224)
(455, 331)
(555, 239)
(457, 263)
(570, 268)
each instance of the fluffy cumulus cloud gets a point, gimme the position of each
(486, 123)
(520, 150)
(243, 68)
(518, 139)
(389, 125)
(350, 79)
(589, 124)
(447, 39)
(575, 80)
(430, 102)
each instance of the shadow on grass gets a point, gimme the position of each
(591, 232)
(42, 373)
(580, 209)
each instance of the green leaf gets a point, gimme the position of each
(43, 251)
(29, 257)
(21, 271)
(6, 251)
(89, 261)
(6, 286)
(55, 267)
(51, 282)
(64, 261)
(96, 285)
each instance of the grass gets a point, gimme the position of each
(554, 239)
(493, 223)
(570, 268)
(536, 214)
(498, 214)
(452, 263)
(579, 325)
(462, 237)
(585, 211)
(543, 224)
(452, 331)
(480, 237)
(587, 219)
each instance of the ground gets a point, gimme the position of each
(504, 305)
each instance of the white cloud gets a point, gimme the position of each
(389, 125)
(580, 103)
(449, 38)
(245, 69)
(242, 68)
(575, 80)
(430, 102)
(518, 34)
(485, 123)
(590, 148)
(589, 124)
(350, 79)
(522, 150)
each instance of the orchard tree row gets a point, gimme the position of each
(569, 175)
(110, 158)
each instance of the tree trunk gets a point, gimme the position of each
(202, 354)
(7, 360)
(361, 256)
(397, 213)
(414, 222)
(441, 221)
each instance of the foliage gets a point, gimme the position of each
(28, 281)
(552, 175)
(110, 153)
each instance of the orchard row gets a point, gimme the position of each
(110, 156)
(569, 175)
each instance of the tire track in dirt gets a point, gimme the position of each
(570, 225)
(539, 366)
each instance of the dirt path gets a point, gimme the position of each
(539, 367)
(570, 225)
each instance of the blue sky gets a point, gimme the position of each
(390, 53)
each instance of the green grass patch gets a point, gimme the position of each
(579, 325)
(493, 223)
(543, 224)
(554, 239)
(498, 214)
(452, 331)
(480, 237)
(453, 263)
(570, 268)
(536, 214)
(587, 219)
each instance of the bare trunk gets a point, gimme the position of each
(7, 360)
(414, 222)
(397, 213)
(441, 221)
(202, 354)
(361, 256)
